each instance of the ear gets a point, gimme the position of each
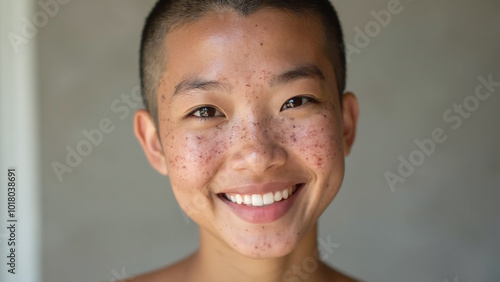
(145, 131)
(350, 113)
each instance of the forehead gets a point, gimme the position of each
(226, 42)
(230, 22)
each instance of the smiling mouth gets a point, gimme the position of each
(262, 200)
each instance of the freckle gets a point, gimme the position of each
(248, 85)
(163, 97)
(261, 44)
(294, 126)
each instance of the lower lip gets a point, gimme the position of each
(263, 214)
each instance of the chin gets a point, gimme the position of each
(269, 245)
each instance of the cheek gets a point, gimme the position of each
(192, 160)
(318, 141)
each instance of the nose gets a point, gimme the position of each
(257, 150)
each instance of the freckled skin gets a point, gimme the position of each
(254, 139)
(204, 154)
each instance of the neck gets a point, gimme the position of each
(215, 261)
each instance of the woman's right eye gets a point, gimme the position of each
(206, 112)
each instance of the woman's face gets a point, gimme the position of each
(248, 109)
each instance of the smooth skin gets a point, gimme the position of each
(242, 103)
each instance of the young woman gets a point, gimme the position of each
(246, 114)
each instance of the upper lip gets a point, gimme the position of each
(260, 188)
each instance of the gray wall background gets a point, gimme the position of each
(114, 216)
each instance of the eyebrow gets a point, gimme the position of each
(198, 83)
(300, 72)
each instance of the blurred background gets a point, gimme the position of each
(408, 210)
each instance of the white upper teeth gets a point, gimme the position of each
(257, 200)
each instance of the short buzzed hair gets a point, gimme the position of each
(170, 14)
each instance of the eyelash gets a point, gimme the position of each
(308, 100)
(209, 109)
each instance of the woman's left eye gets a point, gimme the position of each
(296, 102)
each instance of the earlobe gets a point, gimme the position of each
(145, 131)
(350, 113)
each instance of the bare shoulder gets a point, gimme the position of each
(175, 272)
(331, 274)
